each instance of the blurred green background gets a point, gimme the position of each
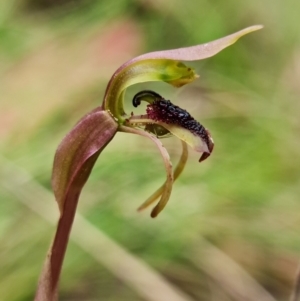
(231, 228)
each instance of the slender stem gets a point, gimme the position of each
(49, 280)
(296, 291)
(104, 250)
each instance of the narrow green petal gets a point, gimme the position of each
(168, 167)
(178, 170)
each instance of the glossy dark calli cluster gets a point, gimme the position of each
(162, 110)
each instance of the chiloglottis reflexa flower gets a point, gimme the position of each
(80, 149)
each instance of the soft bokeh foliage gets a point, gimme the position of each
(56, 58)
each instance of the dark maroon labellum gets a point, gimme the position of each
(164, 111)
(160, 109)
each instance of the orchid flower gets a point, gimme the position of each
(79, 150)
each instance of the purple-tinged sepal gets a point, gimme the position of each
(78, 152)
(73, 163)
